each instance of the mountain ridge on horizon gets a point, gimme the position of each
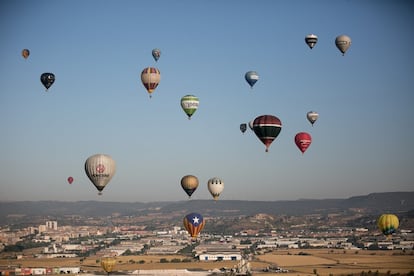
(372, 203)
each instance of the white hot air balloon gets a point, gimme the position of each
(343, 42)
(100, 168)
(311, 40)
(215, 186)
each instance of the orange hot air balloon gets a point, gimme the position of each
(150, 78)
(70, 179)
(303, 141)
(25, 53)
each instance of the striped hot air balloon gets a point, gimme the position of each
(267, 128)
(150, 78)
(193, 223)
(388, 224)
(189, 104)
(303, 141)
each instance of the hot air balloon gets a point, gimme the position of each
(243, 128)
(150, 78)
(189, 104)
(156, 53)
(47, 79)
(311, 40)
(267, 128)
(108, 264)
(215, 186)
(70, 179)
(343, 42)
(312, 116)
(193, 223)
(388, 224)
(100, 168)
(25, 53)
(303, 141)
(189, 184)
(251, 77)
(251, 124)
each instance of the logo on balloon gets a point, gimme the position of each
(100, 168)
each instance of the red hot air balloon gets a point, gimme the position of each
(70, 179)
(267, 128)
(303, 141)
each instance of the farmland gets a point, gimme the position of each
(298, 262)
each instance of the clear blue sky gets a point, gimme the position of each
(362, 142)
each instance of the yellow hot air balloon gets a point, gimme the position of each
(388, 224)
(150, 78)
(108, 264)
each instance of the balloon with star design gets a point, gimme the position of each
(193, 223)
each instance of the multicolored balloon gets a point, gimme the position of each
(100, 168)
(70, 179)
(25, 53)
(156, 54)
(303, 141)
(215, 186)
(189, 104)
(193, 223)
(343, 42)
(251, 77)
(150, 78)
(189, 183)
(388, 224)
(312, 116)
(311, 40)
(243, 127)
(267, 128)
(47, 80)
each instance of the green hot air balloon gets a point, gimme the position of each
(189, 103)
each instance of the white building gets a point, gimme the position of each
(52, 224)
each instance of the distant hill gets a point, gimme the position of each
(394, 202)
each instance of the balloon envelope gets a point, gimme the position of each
(388, 224)
(47, 80)
(267, 128)
(243, 128)
(100, 168)
(70, 179)
(25, 53)
(150, 78)
(303, 141)
(189, 104)
(312, 116)
(108, 264)
(343, 42)
(215, 186)
(193, 223)
(156, 53)
(311, 40)
(189, 183)
(251, 77)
